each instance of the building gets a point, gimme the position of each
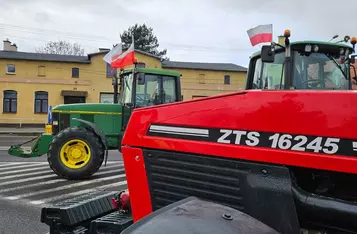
(30, 82)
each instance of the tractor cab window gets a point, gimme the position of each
(127, 89)
(319, 71)
(147, 94)
(269, 75)
(169, 89)
(156, 90)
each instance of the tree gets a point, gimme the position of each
(61, 47)
(144, 40)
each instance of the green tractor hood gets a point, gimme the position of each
(89, 108)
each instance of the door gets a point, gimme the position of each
(73, 99)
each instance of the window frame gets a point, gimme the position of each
(229, 79)
(75, 69)
(41, 102)
(44, 70)
(7, 69)
(10, 101)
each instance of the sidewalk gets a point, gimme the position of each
(21, 131)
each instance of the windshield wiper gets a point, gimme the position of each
(330, 57)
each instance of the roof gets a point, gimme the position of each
(204, 66)
(311, 42)
(16, 55)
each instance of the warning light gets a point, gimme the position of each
(353, 40)
(287, 33)
(136, 60)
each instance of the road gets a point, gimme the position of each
(27, 185)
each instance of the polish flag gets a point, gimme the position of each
(125, 59)
(260, 34)
(113, 53)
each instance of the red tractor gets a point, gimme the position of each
(256, 161)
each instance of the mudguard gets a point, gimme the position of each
(192, 215)
(98, 132)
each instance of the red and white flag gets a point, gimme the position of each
(260, 34)
(125, 59)
(113, 53)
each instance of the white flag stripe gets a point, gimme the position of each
(42, 168)
(113, 52)
(129, 50)
(28, 179)
(53, 181)
(78, 193)
(24, 166)
(266, 28)
(179, 129)
(69, 186)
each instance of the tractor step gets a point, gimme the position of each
(114, 222)
(78, 211)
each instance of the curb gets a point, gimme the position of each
(20, 133)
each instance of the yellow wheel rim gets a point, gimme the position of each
(75, 154)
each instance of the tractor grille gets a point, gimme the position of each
(175, 176)
(260, 190)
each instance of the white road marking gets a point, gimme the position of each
(24, 166)
(65, 187)
(6, 164)
(38, 168)
(78, 193)
(51, 181)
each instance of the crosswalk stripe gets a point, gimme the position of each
(78, 193)
(51, 181)
(41, 168)
(65, 187)
(23, 166)
(29, 179)
(6, 164)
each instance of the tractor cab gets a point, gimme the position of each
(303, 65)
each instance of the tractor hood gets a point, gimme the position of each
(88, 108)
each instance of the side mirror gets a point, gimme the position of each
(141, 78)
(267, 54)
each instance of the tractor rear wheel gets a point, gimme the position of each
(75, 153)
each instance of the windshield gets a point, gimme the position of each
(309, 71)
(150, 92)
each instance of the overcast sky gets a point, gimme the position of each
(191, 30)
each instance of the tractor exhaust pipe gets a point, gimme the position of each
(325, 211)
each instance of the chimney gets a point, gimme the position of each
(13, 47)
(281, 40)
(7, 45)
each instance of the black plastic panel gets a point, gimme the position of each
(79, 209)
(114, 222)
(195, 216)
(260, 190)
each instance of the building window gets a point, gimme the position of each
(201, 78)
(227, 79)
(75, 72)
(106, 98)
(41, 71)
(41, 102)
(10, 101)
(110, 71)
(10, 69)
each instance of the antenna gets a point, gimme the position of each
(334, 37)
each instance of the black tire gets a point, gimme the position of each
(80, 133)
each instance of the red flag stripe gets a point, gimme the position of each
(262, 37)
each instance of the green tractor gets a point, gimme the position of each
(78, 136)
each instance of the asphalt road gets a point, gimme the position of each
(27, 185)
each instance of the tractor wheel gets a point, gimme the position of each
(75, 153)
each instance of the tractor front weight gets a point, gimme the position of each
(38, 148)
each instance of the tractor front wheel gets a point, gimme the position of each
(75, 153)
